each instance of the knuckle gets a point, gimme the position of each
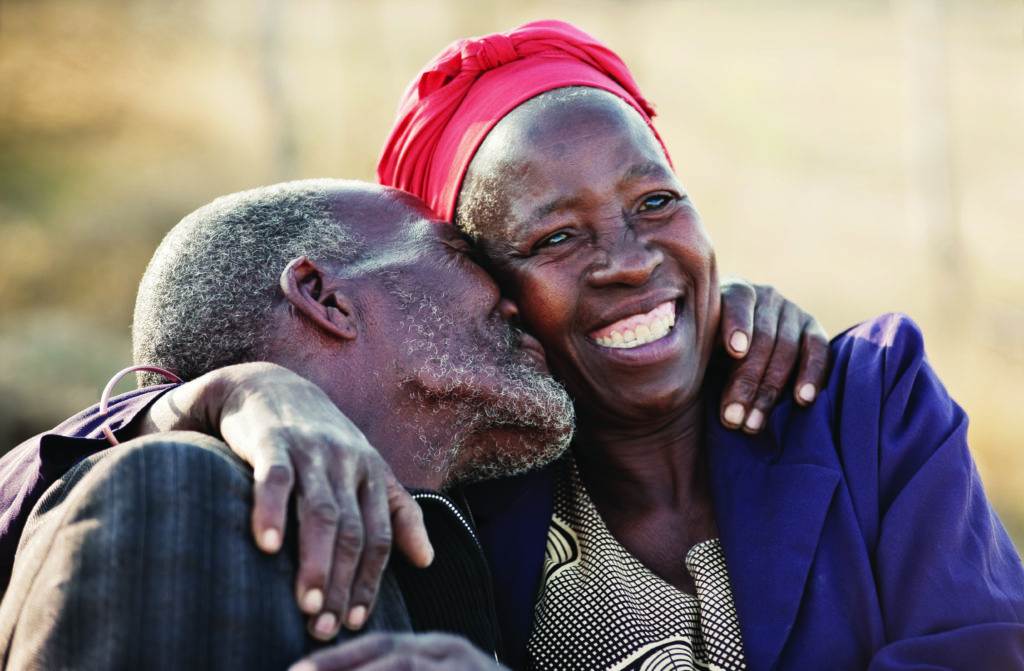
(324, 511)
(379, 543)
(280, 475)
(743, 386)
(767, 395)
(818, 340)
(407, 662)
(350, 536)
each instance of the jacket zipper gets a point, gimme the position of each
(455, 511)
(465, 525)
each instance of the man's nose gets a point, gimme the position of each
(629, 261)
(509, 310)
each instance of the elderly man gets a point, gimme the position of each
(383, 314)
(140, 555)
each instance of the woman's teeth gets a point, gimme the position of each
(638, 329)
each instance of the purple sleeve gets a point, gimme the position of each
(30, 468)
(949, 579)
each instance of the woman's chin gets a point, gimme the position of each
(651, 401)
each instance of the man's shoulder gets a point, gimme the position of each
(30, 468)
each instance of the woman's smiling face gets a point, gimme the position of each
(581, 218)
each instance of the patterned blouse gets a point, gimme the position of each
(600, 608)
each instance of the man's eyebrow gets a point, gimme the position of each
(645, 169)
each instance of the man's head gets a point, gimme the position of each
(353, 287)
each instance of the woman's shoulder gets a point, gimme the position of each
(880, 350)
(884, 413)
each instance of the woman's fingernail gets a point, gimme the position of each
(755, 420)
(325, 624)
(734, 414)
(356, 617)
(313, 601)
(739, 342)
(271, 540)
(808, 392)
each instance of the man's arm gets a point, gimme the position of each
(296, 440)
(140, 558)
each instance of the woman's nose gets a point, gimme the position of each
(629, 262)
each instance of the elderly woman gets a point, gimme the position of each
(850, 534)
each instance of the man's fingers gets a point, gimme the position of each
(273, 480)
(738, 301)
(318, 512)
(345, 558)
(349, 655)
(407, 524)
(373, 501)
(399, 662)
(813, 369)
(391, 651)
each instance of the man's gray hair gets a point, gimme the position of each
(206, 298)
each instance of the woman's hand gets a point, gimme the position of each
(348, 502)
(398, 652)
(773, 339)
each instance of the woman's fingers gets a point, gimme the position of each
(739, 300)
(780, 367)
(813, 368)
(737, 409)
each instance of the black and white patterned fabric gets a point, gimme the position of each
(600, 608)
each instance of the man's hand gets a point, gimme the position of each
(295, 438)
(400, 652)
(772, 338)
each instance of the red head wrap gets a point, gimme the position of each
(451, 106)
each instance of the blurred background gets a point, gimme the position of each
(862, 156)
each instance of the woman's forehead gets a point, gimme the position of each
(530, 158)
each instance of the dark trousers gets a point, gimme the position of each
(141, 557)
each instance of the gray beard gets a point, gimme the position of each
(524, 425)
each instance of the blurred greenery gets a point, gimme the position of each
(863, 157)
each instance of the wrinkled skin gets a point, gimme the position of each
(582, 219)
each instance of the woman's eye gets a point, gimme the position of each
(655, 202)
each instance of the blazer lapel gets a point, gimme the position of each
(770, 516)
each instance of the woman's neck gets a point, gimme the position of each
(643, 465)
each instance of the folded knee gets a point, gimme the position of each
(172, 466)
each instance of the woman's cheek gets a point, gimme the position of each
(543, 309)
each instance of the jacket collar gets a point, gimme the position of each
(770, 513)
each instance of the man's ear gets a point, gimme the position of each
(314, 294)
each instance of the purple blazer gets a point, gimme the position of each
(856, 531)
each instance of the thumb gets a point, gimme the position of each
(407, 524)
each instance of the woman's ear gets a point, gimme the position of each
(311, 292)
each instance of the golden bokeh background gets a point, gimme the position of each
(862, 156)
